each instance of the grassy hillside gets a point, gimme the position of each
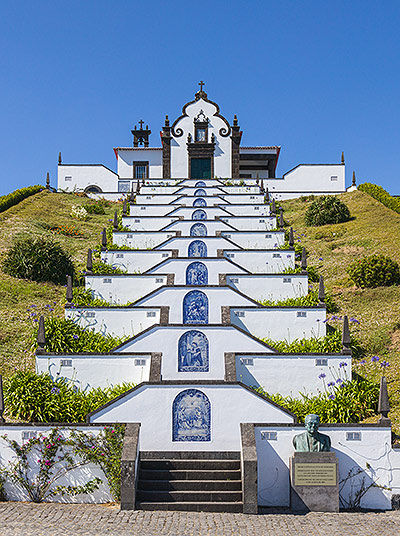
(374, 228)
(19, 299)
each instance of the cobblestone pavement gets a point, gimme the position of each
(23, 519)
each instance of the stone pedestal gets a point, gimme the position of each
(314, 482)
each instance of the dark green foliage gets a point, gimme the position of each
(13, 198)
(100, 267)
(327, 209)
(38, 398)
(331, 343)
(105, 450)
(63, 335)
(83, 297)
(310, 300)
(38, 259)
(374, 271)
(94, 208)
(350, 401)
(380, 194)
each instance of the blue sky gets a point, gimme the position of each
(314, 77)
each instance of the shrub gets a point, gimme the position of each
(350, 401)
(63, 335)
(66, 230)
(78, 212)
(374, 271)
(327, 209)
(39, 398)
(380, 194)
(331, 343)
(94, 208)
(38, 259)
(13, 198)
(310, 300)
(84, 298)
(100, 267)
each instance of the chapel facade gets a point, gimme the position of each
(202, 144)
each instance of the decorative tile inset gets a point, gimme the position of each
(200, 191)
(193, 352)
(197, 248)
(200, 202)
(198, 229)
(195, 308)
(197, 274)
(199, 214)
(191, 416)
(200, 184)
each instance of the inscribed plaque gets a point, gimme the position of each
(315, 474)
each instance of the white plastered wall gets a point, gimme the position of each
(281, 323)
(290, 375)
(79, 177)
(262, 261)
(134, 261)
(179, 151)
(147, 223)
(256, 239)
(173, 298)
(262, 287)
(213, 244)
(179, 267)
(76, 477)
(141, 239)
(151, 405)
(96, 370)
(122, 289)
(114, 321)
(132, 154)
(250, 223)
(373, 449)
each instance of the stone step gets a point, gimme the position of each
(190, 464)
(190, 485)
(230, 507)
(189, 455)
(195, 474)
(188, 496)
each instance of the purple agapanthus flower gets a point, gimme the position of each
(322, 376)
(75, 337)
(332, 397)
(342, 364)
(374, 358)
(385, 364)
(339, 381)
(331, 384)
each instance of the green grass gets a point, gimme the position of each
(374, 229)
(17, 295)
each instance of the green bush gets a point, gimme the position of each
(13, 198)
(310, 300)
(380, 194)
(100, 267)
(331, 343)
(38, 259)
(94, 208)
(63, 335)
(84, 298)
(327, 209)
(374, 271)
(350, 401)
(39, 398)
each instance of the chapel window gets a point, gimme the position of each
(140, 170)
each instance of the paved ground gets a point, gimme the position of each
(22, 519)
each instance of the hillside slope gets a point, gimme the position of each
(19, 299)
(373, 229)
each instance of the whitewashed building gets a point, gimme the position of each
(199, 144)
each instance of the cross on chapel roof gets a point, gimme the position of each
(201, 94)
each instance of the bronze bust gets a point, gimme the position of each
(311, 440)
